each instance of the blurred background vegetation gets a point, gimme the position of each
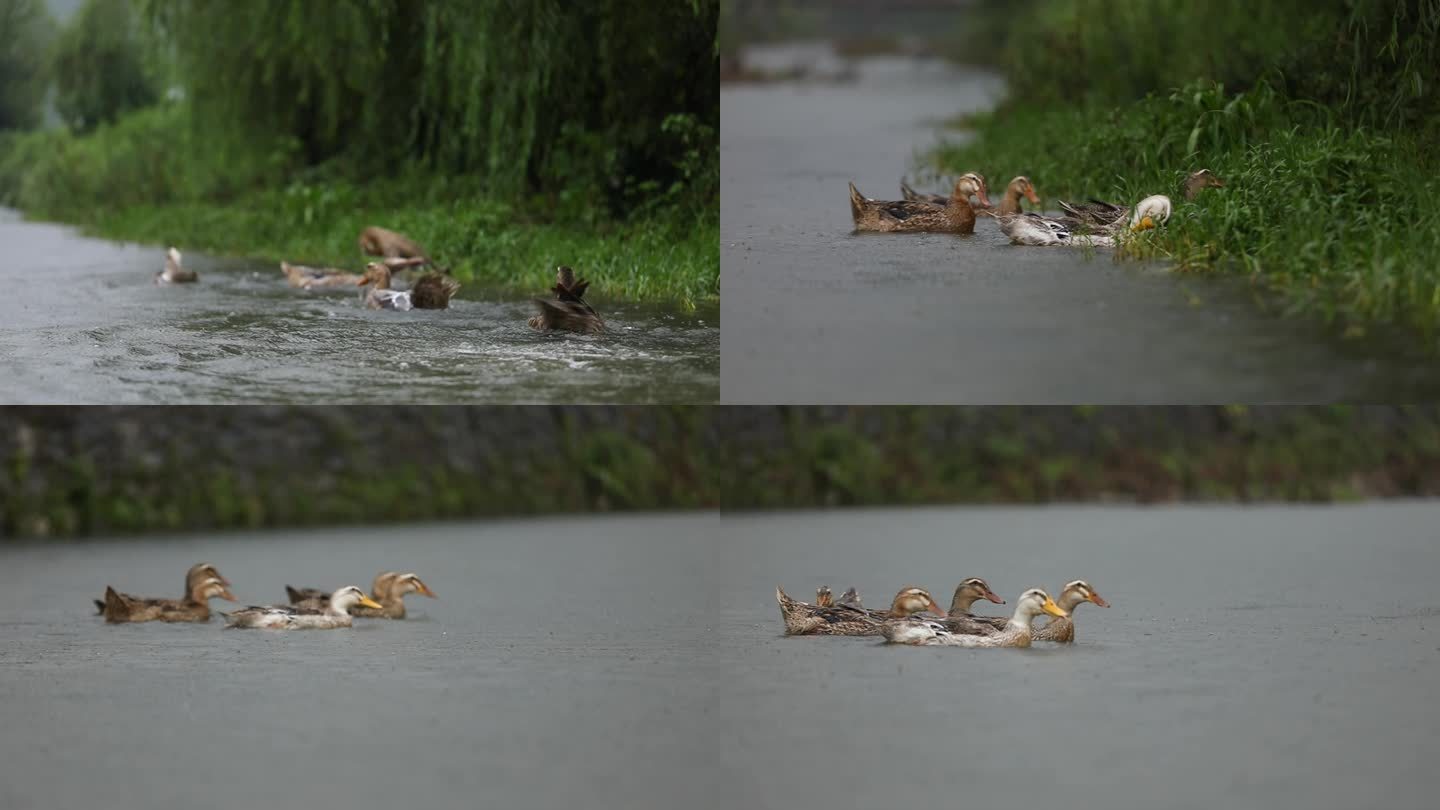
(1321, 115)
(490, 131)
(103, 471)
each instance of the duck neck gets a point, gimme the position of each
(1010, 204)
(1068, 601)
(960, 605)
(1193, 186)
(1020, 621)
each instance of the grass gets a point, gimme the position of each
(1343, 221)
(151, 178)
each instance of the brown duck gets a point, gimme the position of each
(388, 589)
(431, 291)
(195, 607)
(317, 278)
(568, 311)
(843, 620)
(908, 216)
(1062, 630)
(199, 572)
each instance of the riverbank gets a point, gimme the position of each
(1343, 223)
(105, 471)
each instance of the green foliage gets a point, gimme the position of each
(1319, 114)
(99, 68)
(1344, 221)
(497, 90)
(24, 47)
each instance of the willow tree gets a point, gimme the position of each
(27, 29)
(99, 68)
(519, 95)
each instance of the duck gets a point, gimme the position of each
(823, 597)
(568, 311)
(959, 619)
(388, 244)
(1062, 631)
(1017, 632)
(1108, 217)
(198, 572)
(906, 216)
(389, 589)
(174, 273)
(195, 607)
(908, 193)
(843, 620)
(1039, 231)
(1019, 186)
(336, 613)
(317, 278)
(431, 291)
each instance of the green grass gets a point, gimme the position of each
(1343, 221)
(151, 178)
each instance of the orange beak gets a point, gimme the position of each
(227, 596)
(1030, 195)
(934, 608)
(993, 598)
(363, 281)
(985, 201)
(425, 589)
(1095, 597)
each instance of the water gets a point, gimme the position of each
(557, 668)
(1262, 656)
(85, 324)
(818, 314)
(1252, 657)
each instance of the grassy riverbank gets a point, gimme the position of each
(505, 139)
(1319, 116)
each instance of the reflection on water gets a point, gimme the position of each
(85, 324)
(817, 314)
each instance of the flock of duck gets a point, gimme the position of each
(1092, 224)
(902, 624)
(309, 608)
(432, 289)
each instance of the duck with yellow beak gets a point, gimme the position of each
(288, 617)
(1017, 633)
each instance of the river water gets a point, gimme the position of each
(1253, 657)
(818, 314)
(83, 323)
(557, 668)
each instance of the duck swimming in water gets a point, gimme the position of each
(288, 617)
(844, 620)
(1017, 632)
(195, 607)
(1060, 630)
(174, 273)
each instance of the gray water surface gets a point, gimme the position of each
(83, 323)
(1252, 657)
(559, 667)
(818, 314)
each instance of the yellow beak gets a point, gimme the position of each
(1145, 224)
(366, 601)
(1054, 609)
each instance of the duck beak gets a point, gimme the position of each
(993, 598)
(227, 596)
(362, 282)
(366, 601)
(1145, 224)
(1054, 609)
(1095, 597)
(1031, 196)
(984, 200)
(934, 608)
(425, 589)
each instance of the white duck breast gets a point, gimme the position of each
(285, 617)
